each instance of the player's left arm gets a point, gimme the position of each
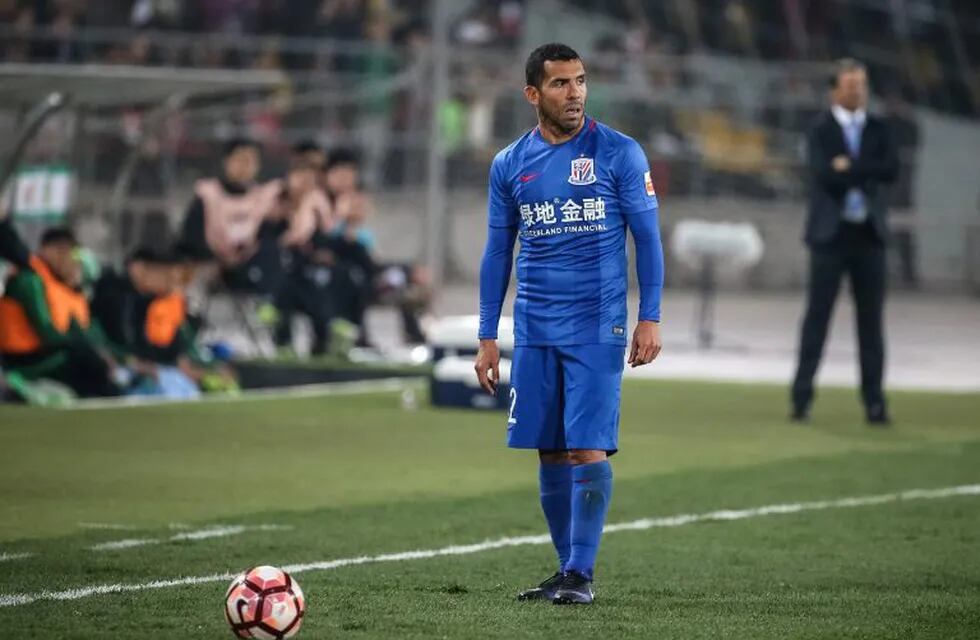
(638, 202)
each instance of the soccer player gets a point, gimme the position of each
(569, 188)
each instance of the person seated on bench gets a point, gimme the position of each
(144, 317)
(45, 324)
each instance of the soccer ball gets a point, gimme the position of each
(264, 602)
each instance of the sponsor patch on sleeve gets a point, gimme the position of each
(648, 181)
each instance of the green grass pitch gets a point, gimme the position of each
(342, 477)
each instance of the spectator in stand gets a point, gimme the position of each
(342, 20)
(63, 18)
(224, 16)
(375, 64)
(10, 10)
(229, 221)
(21, 17)
(154, 14)
(496, 23)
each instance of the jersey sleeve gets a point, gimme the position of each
(634, 182)
(494, 277)
(649, 262)
(501, 207)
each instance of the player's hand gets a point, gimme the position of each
(488, 366)
(646, 343)
(840, 163)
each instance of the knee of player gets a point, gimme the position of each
(586, 456)
(553, 457)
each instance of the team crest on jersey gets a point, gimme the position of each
(583, 171)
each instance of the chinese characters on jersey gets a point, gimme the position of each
(550, 218)
(546, 213)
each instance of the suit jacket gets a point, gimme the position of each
(875, 167)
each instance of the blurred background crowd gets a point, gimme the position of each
(935, 39)
(355, 135)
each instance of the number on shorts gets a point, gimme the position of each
(513, 401)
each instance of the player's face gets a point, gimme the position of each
(851, 91)
(560, 100)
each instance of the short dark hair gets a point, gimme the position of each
(233, 145)
(307, 146)
(534, 68)
(842, 66)
(152, 255)
(185, 251)
(58, 235)
(342, 156)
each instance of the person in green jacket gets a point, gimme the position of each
(45, 325)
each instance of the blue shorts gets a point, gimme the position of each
(565, 397)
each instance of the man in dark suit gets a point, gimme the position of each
(851, 160)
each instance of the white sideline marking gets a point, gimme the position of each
(724, 515)
(230, 530)
(211, 532)
(6, 557)
(107, 525)
(218, 531)
(380, 385)
(127, 543)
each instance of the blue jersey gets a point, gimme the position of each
(570, 203)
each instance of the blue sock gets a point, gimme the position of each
(556, 502)
(591, 493)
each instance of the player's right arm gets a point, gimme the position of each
(495, 267)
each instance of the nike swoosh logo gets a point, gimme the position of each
(529, 177)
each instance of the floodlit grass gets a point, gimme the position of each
(352, 476)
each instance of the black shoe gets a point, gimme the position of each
(544, 591)
(574, 589)
(877, 416)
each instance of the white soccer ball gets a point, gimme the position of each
(264, 602)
